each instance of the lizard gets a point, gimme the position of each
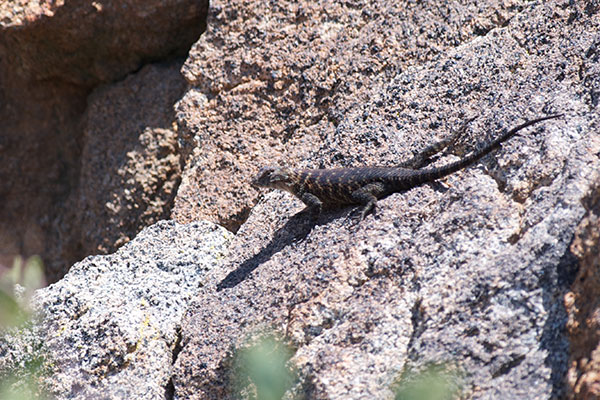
(363, 186)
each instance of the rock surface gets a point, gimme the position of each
(583, 306)
(130, 166)
(110, 327)
(52, 55)
(469, 271)
(271, 83)
(473, 271)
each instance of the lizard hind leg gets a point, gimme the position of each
(424, 158)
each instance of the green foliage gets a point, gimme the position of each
(262, 369)
(17, 284)
(21, 388)
(11, 312)
(16, 287)
(433, 382)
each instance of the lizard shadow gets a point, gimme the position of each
(294, 230)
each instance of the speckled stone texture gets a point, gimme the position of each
(469, 271)
(110, 327)
(583, 306)
(271, 82)
(53, 54)
(473, 271)
(130, 164)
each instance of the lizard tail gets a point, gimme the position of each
(431, 174)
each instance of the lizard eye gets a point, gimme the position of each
(264, 177)
(279, 174)
(268, 176)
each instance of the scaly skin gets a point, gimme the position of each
(365, 185)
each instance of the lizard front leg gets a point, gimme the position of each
(367, 196)
(313, 203)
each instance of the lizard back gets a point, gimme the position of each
(336, 185)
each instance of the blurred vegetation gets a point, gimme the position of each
(19, 381)
(431, 382)
(17, 285)
(262, 369)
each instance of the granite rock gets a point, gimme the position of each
(583, 306)
(53, 54)
(110, 328)
(130, 163)
(270, 82)
(470, 271)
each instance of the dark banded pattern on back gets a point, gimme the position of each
(335, 186)
(364, 185)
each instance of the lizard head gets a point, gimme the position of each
(273, 177)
